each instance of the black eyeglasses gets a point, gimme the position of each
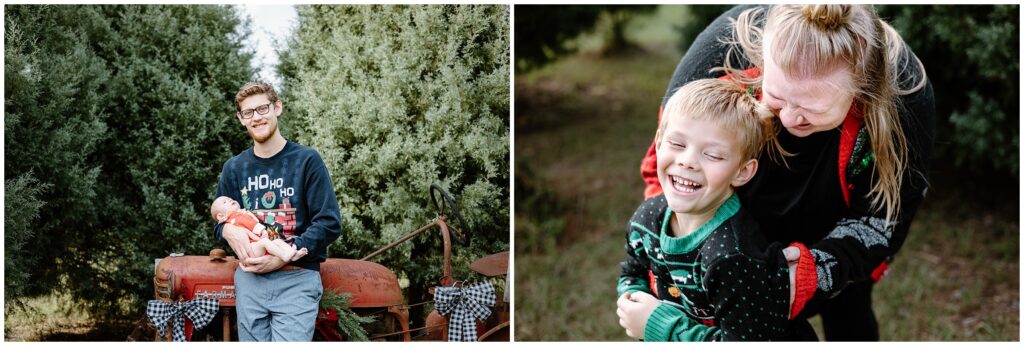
(262, 110)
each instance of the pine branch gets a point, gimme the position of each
(349, 323)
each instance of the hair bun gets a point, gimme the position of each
(827, 17)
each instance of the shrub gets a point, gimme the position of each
(972, 57)
(396, 98)
(124, 115)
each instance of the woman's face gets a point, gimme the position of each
(806, 105)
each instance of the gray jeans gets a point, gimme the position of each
(277, 306)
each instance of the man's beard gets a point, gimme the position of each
(263, 138)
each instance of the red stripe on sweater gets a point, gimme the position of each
(653, 282)
(806, 280)
(880, 272)
(847, 138)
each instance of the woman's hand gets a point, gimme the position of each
(634, 309)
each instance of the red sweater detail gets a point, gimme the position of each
(847, 138)
(806, 280)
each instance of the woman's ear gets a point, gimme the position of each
(745, 173)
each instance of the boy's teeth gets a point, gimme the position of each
(681, 181)
(684, 185)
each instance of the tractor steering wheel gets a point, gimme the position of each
(448, 201)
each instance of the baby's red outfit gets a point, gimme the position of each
(243, 219)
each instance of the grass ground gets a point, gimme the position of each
(582, 126)
(52, 318)
(589, 121)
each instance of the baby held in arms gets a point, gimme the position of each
(264, 240)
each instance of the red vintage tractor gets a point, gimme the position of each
(374, 290)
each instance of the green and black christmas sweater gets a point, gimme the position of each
(721, 282)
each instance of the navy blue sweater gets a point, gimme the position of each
(291, 189)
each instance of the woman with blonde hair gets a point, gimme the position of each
(857, 111)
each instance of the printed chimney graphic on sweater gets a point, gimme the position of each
(266, 206)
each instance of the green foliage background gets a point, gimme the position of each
(116, 119)
(396, 98)
(972, 55)
(542, 32)
(546, 33)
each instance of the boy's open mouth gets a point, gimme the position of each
(685, 185)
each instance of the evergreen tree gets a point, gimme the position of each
(697, 19)
(972, 55)
(541, 32)
(396, 98)
(54, 119)
(123, 115)
(176, 70)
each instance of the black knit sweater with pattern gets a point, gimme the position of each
(720, 282)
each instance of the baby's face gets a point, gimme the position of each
(223, 205)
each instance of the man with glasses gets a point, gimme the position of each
(286, 185)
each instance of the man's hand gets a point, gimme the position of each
(262, 264)
(238, 239)
(634, 309)
(792, 254)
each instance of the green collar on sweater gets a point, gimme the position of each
(684, 244)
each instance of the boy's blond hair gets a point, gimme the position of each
(727, 104)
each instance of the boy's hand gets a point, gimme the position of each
(634, 309)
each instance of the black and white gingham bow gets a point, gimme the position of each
(200, 311)
(464, 306)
